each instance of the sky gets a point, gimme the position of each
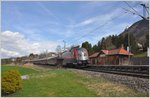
(36, 27)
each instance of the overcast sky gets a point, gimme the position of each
(34, 27)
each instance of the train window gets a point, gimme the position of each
(79, 54)
(82, 50)
(85, 54)
(72, 52)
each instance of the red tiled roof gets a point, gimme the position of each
(105, 51)
(115, 51)
(94, 55)
(120, 51)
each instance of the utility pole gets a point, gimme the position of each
(64, 44)
(145, 10)
(134, 12)
(129, 46)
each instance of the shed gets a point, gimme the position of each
(111, 57)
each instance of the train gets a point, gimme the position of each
(74, 56)
(44, 61)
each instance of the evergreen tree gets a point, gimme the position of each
(87, 46)
(132, 43)
(119, 41)
(98, 46)
(146, 45)
(95, 48)
(125, 41)
(103, 45)
(115, 41)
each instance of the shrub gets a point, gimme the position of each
(11, 82)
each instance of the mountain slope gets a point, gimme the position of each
(139, 30)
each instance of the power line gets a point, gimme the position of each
(101, 26)
(145, 9)
(133, 9)
(130, 10)
(97, 28)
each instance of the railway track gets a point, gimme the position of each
(135, 71)
(140, 71)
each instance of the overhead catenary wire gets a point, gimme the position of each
(133, 9)
(114, 18)
(127, 10)
(97, 28)
(145, 8)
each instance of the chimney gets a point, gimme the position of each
(122, 46)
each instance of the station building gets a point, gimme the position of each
(111, 57)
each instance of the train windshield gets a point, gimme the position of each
(82, 50)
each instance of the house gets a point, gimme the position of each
(111, 57)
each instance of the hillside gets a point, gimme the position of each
(139, 30)
(139, 39)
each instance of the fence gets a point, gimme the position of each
(140, 61)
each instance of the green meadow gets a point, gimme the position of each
(64, 82)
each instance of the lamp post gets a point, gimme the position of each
(128, 48)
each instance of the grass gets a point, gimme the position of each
(22, 70)
(114, 90)
(105, 88)
(61, 82)
(54, 83)
(144, 54)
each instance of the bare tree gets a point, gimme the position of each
(58, 49)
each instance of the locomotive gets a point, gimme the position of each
(75, 56)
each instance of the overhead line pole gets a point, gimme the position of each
(134, 10)
(145, 10)
(129, 46)
(97, 28)
(64, 44)
(105, 24)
